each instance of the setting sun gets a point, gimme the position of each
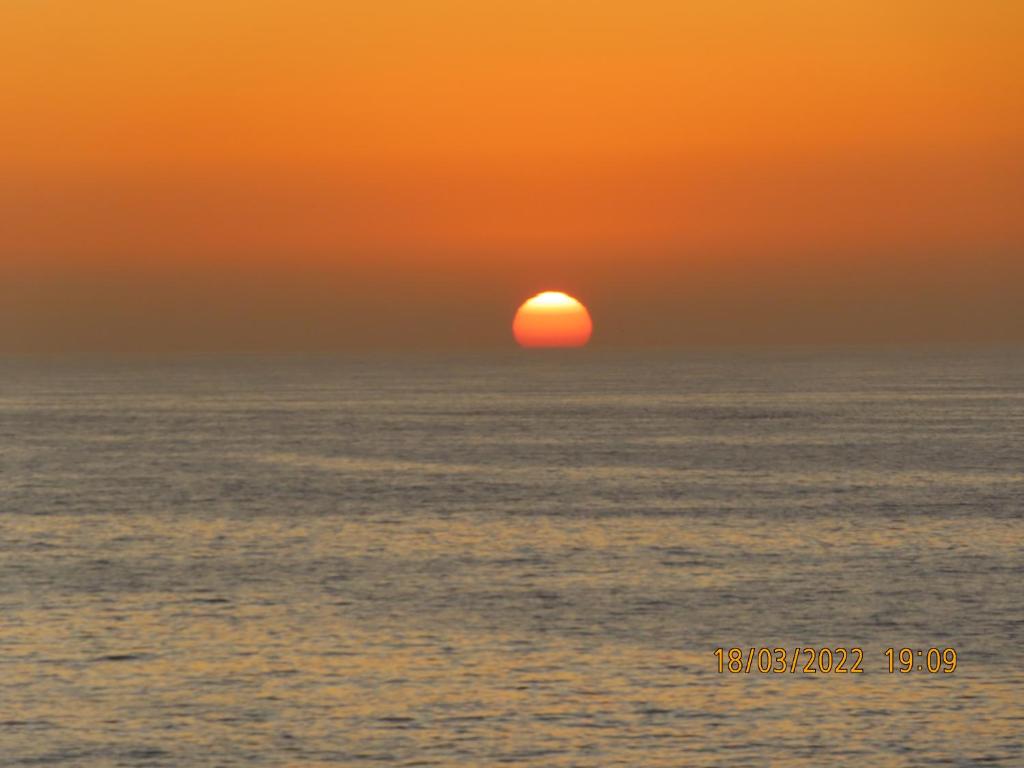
(552, 319)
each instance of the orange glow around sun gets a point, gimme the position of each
(552, 319)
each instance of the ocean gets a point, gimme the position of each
(524, 559)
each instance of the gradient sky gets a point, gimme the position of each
(184, 176)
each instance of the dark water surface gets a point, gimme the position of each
(519, 560)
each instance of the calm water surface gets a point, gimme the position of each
(520, 560)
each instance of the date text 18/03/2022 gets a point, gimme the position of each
(832, 660)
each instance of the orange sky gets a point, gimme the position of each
(248, 175)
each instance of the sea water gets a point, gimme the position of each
(517, 559)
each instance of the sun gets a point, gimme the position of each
(552, 319)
